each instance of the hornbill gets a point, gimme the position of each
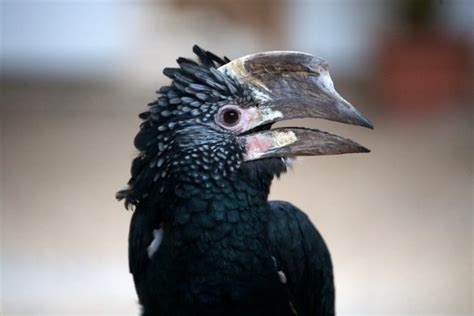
(204, 239)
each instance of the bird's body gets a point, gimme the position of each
(223, 250)
(204, 240)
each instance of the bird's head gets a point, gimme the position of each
(215, 119)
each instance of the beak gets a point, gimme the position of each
(292, 85)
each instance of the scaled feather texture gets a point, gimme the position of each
(203, 239)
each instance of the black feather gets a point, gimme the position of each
(221, 235)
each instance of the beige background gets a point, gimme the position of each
(398, 221)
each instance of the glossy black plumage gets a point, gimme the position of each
(225, 246)
(303, 257)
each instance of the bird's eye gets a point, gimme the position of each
(231, 117)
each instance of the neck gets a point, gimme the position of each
(217, 201)
(216, 231)
(204, 213)
(206, 217)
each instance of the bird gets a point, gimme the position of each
(203, 238)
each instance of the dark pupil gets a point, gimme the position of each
(231, 117)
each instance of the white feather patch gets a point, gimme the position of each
(282, 277)
(155, 243)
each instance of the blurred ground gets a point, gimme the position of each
(398, 221)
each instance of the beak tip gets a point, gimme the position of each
(358, 148)
(368, 124)
(363, 121)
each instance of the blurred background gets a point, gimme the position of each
(75, 75)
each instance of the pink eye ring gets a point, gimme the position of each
(231, 117)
